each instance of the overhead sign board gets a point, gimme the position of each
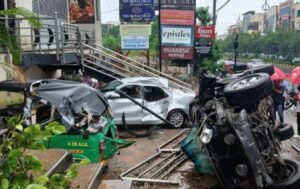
(136, 2)
(203, 46)
(135, 29)
(204, 32)
(178, 4)
(177, 52)
(177, 17)
(82, 12)
(177, 36)
(136, 10)
(134, 42)
(141, 13)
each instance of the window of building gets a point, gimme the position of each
(298, 13)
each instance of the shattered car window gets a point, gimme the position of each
(111, 86)
(152, 94)
(134, 91)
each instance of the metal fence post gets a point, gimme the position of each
(56, 38)
(62, 43)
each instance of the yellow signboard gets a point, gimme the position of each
(135, 29)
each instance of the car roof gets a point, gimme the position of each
(146, 81)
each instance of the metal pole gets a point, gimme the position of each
(159, 38)
(235, 63)
(214, 12)
(56, 37)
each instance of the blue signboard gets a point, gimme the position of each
(135, 42)
(142, 13)
(136, 2)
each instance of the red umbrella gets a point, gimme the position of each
(278, 74)
(294, 76)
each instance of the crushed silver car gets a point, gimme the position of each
(153, 93)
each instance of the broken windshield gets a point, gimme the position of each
(111, 86)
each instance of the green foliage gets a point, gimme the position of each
(19, 170)
(9, 41)
(273, 45)
(203, 15)
(112, 38)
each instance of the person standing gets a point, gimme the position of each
(297, 98)
(278, 99)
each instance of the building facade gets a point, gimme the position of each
(247, 19)
(286, 15)
(272, 19)
(297, 16)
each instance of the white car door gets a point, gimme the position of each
(122, 104)
(157, 100)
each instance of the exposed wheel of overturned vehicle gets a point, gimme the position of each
(284, 131)
(177, 118)
(248, 89)
(293, 180)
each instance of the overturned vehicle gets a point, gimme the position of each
(236, 136)
(91, 132)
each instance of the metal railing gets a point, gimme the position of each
(61, 38)
(116, 63)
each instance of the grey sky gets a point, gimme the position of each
(226, 17)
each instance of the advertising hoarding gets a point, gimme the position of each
(82, 11)
(177, 17)
(134, 42)
(135, 29)
(204, 32)
(178, 4)
(136, 2)
(203, 46)
(136, 10)
(177, 36)
(177, 52)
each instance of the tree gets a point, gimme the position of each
(203, 15)
(17, 168)
(9, 42)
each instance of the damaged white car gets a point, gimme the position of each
(153, 93)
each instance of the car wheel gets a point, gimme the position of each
(248, 89)
(177, 118)
(284, 131)
(293, 181)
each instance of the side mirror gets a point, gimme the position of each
(112, 95)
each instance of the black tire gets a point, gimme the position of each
(293, 182)
(251, 93)
(177, 118)
(284, 131)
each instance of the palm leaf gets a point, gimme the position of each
(29, 16)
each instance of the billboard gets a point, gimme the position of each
(136, 10)
(204, 32)
(203, 46)
(135, 29)
(134, 42)
(177, 17)
(136, 2)
(173, 52)
(178, 4)
(177, 36)
(82, 11)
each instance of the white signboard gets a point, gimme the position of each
(173, 36)
(134, 42)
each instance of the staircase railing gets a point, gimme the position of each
(125, 65)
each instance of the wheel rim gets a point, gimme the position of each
(176, 119)
(245, 82)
